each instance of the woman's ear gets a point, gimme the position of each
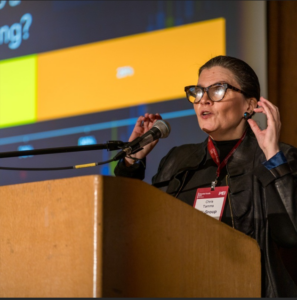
(252, 103)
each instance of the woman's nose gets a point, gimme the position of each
(205, 99)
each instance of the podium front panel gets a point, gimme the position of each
(100, 236)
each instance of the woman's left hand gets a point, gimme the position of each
(269, 137)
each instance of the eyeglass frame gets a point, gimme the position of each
(205, 89)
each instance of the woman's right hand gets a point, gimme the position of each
(143, 124)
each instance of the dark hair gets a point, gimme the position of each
(244, 74)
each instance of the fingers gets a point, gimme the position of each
(259, 110)
(267, 138)
(153, 118)
(149, 120)
(138, 129)
(144, 123)
(254, 126)
(269, 109)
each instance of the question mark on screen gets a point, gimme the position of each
(2, 3)
(27, 20)
(14, 2)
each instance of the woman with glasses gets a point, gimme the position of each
(258, 174)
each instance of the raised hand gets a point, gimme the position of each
(143, 124)
(269, 137)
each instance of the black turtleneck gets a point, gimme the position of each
(205, 174)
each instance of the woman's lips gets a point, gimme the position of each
(205, 114)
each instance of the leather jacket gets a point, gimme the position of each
(271, 196)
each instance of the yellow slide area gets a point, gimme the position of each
(117, 73)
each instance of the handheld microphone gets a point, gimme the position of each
(160, 129)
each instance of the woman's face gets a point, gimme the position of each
(221, 120)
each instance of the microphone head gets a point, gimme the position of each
(164, 128)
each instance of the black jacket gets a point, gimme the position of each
(270, 195)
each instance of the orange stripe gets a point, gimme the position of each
(154, 66)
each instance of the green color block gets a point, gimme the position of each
(114, 137)
(169, 22)
(18, 91)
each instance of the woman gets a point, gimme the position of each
(260, 172)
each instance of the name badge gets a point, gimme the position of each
(211, 202)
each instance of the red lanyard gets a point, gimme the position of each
(215, 156)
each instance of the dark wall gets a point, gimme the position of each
(282, 82)
(282, 64)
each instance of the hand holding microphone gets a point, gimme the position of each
(142, 126)
(145, 135)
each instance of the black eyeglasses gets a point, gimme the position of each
(215, 92)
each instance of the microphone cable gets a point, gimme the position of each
(161, 129)
(60, 168)
(115, 158)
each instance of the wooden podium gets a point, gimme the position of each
(99, 236)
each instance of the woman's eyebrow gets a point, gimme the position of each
(199, 85)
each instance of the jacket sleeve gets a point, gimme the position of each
(280, 191)
(137, 170)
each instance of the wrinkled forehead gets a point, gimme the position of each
(217, 74)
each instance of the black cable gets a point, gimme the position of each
(111, 145)
(57, 169)
(35, 169)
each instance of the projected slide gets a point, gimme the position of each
(117, 73)
(81, 72)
